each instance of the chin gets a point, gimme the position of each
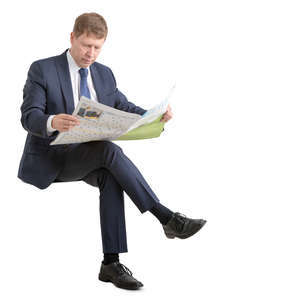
(86, 64)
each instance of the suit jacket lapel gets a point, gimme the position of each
(98, 84)
(65, 82)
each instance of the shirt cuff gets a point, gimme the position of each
(50, 129)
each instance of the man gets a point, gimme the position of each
(52, 90)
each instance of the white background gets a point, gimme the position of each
(229, 155)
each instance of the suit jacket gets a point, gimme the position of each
(48, 91)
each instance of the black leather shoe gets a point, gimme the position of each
(119, 275)
(182, 227)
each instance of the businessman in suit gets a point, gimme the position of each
(51, 92)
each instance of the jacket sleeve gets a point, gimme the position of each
(121, 101)
(34, 119)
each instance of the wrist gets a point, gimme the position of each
(50, 124)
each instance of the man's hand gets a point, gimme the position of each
(167, 115)
(64, 122)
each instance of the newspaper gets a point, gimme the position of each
(102, 122)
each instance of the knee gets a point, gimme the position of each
(112, 146)
(109, 152)
(107, 146)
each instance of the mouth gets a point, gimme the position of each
(86, 61)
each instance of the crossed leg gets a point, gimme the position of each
(103, 164)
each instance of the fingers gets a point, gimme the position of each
(68, 124)
(166, 117)
(64, 122)
(69, 118)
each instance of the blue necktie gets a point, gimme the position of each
(84, 90)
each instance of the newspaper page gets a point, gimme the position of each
(97, 122)
(153, 113)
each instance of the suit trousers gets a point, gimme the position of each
(103, 164)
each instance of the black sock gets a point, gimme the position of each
(162, 213)
(110, 258)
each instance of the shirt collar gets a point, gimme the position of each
(72, 64)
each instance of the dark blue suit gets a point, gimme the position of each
(48, 91)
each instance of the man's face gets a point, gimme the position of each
(85, 48)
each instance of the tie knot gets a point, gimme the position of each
(83, 72)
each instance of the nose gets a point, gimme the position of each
(90, 52)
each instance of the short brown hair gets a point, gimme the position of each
(90, 23)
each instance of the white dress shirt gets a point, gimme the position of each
(75, 80)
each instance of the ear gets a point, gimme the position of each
(72, 37)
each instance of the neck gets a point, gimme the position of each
(74, 58)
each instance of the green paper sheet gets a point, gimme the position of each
(146, 131)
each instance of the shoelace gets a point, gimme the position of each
(181, 219)
(124, 269)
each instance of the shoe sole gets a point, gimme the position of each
(104, 279)
(172, 236)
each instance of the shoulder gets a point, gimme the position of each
(45, 65)
(51, 61)
(45, 61)
(102, 68)
(105, 72)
